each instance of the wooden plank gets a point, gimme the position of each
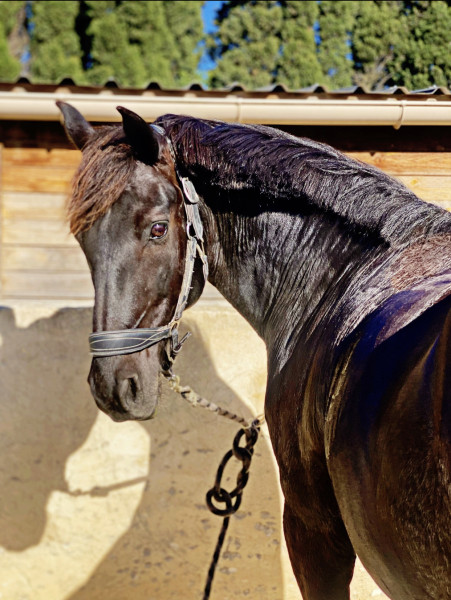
(407, 163)
(33, 134)
(56, 157)
(21, 205)
(51, 134)
(37, 232)
(432, 189)
(35, 258)
(22, 284)
(18, 178)
(372, 138)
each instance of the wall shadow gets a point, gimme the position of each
(40, 370)
(46, 415)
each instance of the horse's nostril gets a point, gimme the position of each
(128, 388)
(133, 382)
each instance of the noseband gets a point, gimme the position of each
(128, 341)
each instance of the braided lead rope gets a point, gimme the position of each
(215, 559)
(195, 400)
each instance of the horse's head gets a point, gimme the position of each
(127, 212)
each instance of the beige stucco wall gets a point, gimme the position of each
(95, 510)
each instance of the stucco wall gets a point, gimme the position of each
(93, 509)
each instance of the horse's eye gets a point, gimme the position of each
(158, 230)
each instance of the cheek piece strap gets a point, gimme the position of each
(129, 341)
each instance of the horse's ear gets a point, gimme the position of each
(144, 140)
(76, 126)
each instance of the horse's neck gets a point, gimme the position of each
(284, 274)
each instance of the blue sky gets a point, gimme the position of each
(208, 15)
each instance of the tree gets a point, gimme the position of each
(378, 29)
(12, 15)
(184, 19)
(111, 54)
(422, 57)
(298, 64)
(55, 46)
(336, 23)
(246, 45)
(136, 42)
(367, 42)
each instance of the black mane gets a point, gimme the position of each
(256, 168)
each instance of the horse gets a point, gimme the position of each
(346, 276)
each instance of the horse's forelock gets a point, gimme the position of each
(106, 166)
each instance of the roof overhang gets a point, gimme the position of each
(271, 108)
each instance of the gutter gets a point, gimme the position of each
(310, 110)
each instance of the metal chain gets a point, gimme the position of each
(231, 500)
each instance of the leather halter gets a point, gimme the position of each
(128, 341)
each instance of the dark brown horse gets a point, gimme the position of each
(344, 273)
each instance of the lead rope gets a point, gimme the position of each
(230, 500)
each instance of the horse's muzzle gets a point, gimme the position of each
(121, 390)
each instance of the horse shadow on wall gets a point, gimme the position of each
(47, 414)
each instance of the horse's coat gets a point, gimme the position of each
(346, 275)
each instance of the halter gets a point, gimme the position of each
(129, 341)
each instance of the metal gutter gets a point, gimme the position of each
(393, 111)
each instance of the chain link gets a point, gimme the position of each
(232, 499)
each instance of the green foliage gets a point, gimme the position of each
(366, 42)
(185, 23)
(111, 53)
(379, 28)
(422, 56)
(136, 42)
(55, 46)
(336, 22)
(10, 13)
(258, 43)
(298, 64)
(248, 44)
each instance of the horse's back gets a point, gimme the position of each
(389, 446)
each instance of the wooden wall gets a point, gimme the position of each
(39, 259)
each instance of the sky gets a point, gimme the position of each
(208, 15)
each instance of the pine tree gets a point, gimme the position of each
(247, 44)
(55, 46)
(12, 16)
(336, 22)
(422, 56)
(136, 42)
(260, 43)
(298, 64)
(184, 19)
(378, 30)
(111, 54)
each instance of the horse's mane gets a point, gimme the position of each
(264, 169)
(298, 174)
(106, 166)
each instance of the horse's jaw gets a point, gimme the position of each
(126, 388)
